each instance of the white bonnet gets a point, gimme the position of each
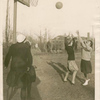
(20, 38)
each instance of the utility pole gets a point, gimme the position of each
(25, 2)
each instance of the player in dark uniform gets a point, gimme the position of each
(71, 64)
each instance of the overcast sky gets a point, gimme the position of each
(74, 15)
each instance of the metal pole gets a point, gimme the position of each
(15, 21)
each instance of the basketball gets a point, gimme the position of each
(59, 5)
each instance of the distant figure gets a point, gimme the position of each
(21, 61)
(76, 43)
(48, 46)
(71, 64)
(86, 66)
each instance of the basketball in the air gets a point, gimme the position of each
(59, 5)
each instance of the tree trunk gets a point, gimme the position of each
(6, 30)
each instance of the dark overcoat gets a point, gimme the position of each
(21, 58)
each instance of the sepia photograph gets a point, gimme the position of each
(49, 50)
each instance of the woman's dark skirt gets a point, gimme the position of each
(18, 78)
(86, 66)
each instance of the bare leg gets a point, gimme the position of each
(66, 76)
(86, 76)
(74, 76)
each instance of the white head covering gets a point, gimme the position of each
(20, 38)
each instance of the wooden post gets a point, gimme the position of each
(15, 21)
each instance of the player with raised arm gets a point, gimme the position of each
(86, 67)
(71, 64)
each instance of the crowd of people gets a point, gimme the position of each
(22, 72)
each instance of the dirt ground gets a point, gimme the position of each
(49, 84)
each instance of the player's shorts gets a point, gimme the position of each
(71, 65)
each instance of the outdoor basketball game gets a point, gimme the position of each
(49, 50)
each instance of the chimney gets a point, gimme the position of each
(88, 35)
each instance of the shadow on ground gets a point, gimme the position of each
(61, 70)
(34, 92)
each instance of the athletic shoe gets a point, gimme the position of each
(86, 82)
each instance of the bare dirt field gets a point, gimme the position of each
(49, 85)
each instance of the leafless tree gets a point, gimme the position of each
(7, 26)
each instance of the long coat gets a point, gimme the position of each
(21, 58)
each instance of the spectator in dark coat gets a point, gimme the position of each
(21, 59)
